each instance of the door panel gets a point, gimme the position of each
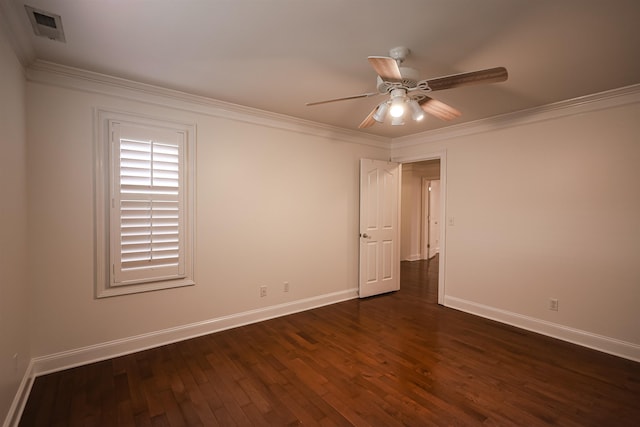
(371, 262)
(379, 227)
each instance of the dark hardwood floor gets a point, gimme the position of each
(392, 360)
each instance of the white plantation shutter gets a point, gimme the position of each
(147, 190)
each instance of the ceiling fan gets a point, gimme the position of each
(407, 92)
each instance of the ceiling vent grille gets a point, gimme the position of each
(45, 24)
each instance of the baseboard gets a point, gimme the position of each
(602, 343)
(82, 356)
(20, 399)
(415, 257)
(95, 353)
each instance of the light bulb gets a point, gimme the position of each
(397, 121)
(397, 107)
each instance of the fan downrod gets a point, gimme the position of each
(399, 53)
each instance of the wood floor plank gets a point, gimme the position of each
(394, 360)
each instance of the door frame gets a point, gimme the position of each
(442, 156)
(424, 220)
(434, 218)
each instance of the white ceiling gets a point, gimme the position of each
(276, 55)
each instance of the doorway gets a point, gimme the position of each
(423, 192)
(420, 211)
(430, 220)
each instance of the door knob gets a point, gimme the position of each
(365, 235)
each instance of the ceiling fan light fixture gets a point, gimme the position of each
(397, 121)
(398, 98)
(381, 112)
(397, 108)
(417, 113)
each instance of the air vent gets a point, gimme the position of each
(45, 24)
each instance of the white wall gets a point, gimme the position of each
(273, 205)
(547, 208)
(14, 292)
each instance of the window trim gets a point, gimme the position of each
(102, 164)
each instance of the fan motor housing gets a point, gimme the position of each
(410, 78)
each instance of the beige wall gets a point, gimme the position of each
(14, 292)
(548, 209)
(273, 205)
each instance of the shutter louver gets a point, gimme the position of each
(149, 210)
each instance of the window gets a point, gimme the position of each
(144, 204)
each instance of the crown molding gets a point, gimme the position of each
(50, 73)
(598, 101)
(88, 81)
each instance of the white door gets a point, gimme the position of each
(379, 227)
(434, 218)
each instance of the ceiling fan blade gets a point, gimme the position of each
(439, 109)
(369, 120)
(386, 67)
(344, 98)
(490, 75)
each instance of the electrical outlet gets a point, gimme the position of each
(285, 286)
(263, 291)
(553, 304)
